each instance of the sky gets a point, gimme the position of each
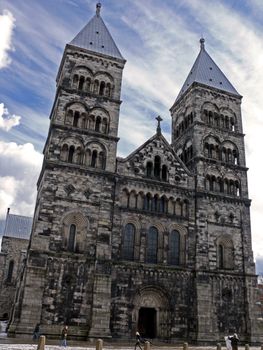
(160, 41)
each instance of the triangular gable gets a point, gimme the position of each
(135, 164)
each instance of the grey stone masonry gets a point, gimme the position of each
(158, 242)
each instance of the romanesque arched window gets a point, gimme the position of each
(101, 163)
(155, 202)
(71, 238)
(88, 84)
(94, 159)
(108, 90)
(76, 118)
(152, 245)
(102, 88)
(64, 153)
(98, 124)
(163, 205)
(128, 242)
(75, 80)
(104, 125)
(164, 173)
(157, 166)
(71, 154)
(147, 202)
(96, 86)
(174, 248)
(10, 271)
(149, 169)
(81, 83)
(79, 155)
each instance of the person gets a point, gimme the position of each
(234, 341)
(138, 341)
(36, 333)
(64, 334)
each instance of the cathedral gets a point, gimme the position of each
(159, 241)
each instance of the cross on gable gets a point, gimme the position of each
(159, 119)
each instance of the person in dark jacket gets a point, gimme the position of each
(64, 334)
(36, 333)
(234, 341)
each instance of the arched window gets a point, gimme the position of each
(104, 125)
(10, 271)
(78, 155)
(94, 158)
(97, 124)
(96, 86)
(149, 169)
(75, 80)
(152, 245)
(155, 203)
(108, 90)
(147, 202)
(81, 82)
(64, 153)
(163, 205)
(88, 83)
(128, 242)
(164, 173)
(76, 118)
(102, 88)
(101, 164)
(71, 154)
(157, 166)
(174, 248)
(71, 238)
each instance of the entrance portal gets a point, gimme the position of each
(147, 322)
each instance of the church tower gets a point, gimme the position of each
(66, 279)
(207, 135)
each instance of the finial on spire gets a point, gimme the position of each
(202, 43)
(98, 7)
(158, 129)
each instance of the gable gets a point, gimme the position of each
(155, 160)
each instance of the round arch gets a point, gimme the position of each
(151, 312)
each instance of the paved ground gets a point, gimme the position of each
(106, 347)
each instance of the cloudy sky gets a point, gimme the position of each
(160, 40)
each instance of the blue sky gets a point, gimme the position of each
(160, 41)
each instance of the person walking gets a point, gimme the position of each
(64, 334)
(234, 341)
(138, 341)
(36, 333)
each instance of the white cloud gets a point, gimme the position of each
(7, 24)
(7, 121)
(20, 168)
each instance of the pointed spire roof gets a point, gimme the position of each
(206, 72)
(96, 37)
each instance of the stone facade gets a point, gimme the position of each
(159, 241)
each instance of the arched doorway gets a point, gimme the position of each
(151, 313)
(147, 322)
